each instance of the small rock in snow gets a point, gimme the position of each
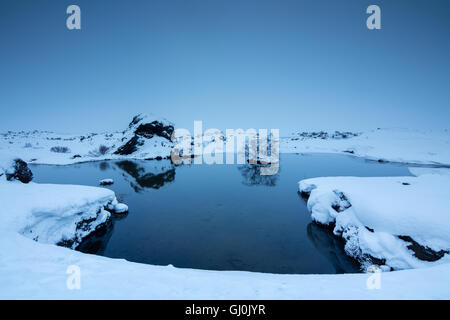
(120, 208)
(106, 182)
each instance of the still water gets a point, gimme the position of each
(218, 217)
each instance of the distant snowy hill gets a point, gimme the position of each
(146, 137)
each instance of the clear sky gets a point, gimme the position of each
(287, 64)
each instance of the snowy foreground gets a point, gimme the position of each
(33, 270)
(400, 223)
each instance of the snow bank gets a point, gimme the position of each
(54, 214)
(397, 145)
(391, 220)
(29, 270)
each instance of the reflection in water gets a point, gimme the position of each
(96, 242)
(332, 247)
(252, 176)
(103, 166)
(151, 176)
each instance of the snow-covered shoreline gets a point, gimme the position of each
(386, 218)
(388, 145)
(146, 137)
(37, 271)
(35, 217)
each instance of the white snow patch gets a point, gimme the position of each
(120, 208)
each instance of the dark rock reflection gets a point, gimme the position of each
(332, 247)
(251, 176)
(154, 176)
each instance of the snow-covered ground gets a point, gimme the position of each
(145, 138)
(388, 220)
(148, 137)
(396, 145)
(29, 270)
(41, 270)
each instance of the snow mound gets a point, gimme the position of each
(120, 208)
(402, 222)
(54, 214)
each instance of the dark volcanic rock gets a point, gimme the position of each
(20, 171)
(130, 146)
(144, 131)
(423, 252)
(148, 130)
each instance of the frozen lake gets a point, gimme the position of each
(218, 217)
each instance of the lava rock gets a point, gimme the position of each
(19, 171)
(130, 146)
(106, 182)
(148, 130)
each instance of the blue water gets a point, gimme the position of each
(218, 217)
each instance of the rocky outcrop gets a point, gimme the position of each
(19, 171)
(142, 128)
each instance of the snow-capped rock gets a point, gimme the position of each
(121, 208)
(106, 182)
(16, 169)
(140, 133)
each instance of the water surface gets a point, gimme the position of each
(218, 217)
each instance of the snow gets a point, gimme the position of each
(51, 213)
(104, 182)
(121, 208)
(418, 171)
(396, 145)
(35, 217)
(6, 163)
(37, 271)
(36, 146)
(392, 206)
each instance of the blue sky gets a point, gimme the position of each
(288, 64)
